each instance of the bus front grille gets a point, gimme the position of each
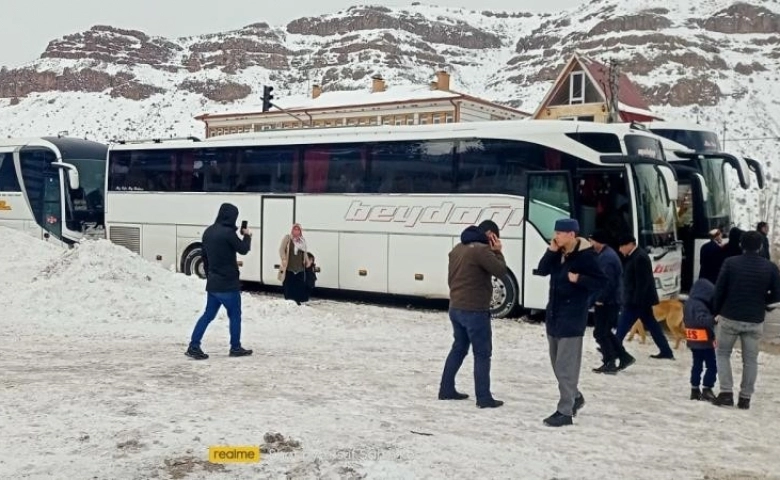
(128, 237)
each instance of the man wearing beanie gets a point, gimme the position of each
(607, 305)
(472, 263)
(575, 276)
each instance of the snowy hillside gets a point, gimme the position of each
(712, 61)
(95, 385)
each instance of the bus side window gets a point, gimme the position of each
(8, 180)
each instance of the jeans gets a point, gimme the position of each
(470, 328)
(749, 335)
(629, 315)
(703, 357)
(232, 303)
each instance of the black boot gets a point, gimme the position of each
(240, 352)
(558, 419)
(707, 395)
(695, 393)
(579, 402)
(724, 399)
(196, 353)
(626, 360)
(454, 395)
(490, 404)
(608, 368)
(743, 403)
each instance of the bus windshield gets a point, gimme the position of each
(717, 206)
(655, 213)
(700, 141)
(88, 198)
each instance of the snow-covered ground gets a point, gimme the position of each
(94, 385)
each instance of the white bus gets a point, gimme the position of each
(381, 207)
(52, 187)
(704, 194)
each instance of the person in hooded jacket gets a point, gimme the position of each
(700, 333)
(472, 263)
(220, 245)
(575, 276)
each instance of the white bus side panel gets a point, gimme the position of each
(158, 245)
(16, 214)
(363, 261)
(427, 275)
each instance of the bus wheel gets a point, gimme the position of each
(504, 298)
(193, 262)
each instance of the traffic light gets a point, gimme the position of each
(267, 97)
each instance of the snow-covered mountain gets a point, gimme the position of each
(712, 61)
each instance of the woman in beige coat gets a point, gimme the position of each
(293, 253)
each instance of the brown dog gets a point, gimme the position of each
(670, 311)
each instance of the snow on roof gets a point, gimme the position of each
(637, 111)
(392, 94)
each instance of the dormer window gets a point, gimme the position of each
(577, 87)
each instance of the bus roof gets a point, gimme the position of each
(68, 147)
(503, 129)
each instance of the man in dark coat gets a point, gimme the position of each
(639, 296)
(763, 229)
(220, 245)
(607, 304)
(575, 276)
(711, 257)
(747, 283)
(472, 264)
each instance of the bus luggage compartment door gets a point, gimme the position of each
(278, 219)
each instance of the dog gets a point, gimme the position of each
(670, 311)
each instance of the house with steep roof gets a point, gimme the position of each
(584, 91)
(381, 105)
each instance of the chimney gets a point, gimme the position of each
(377, 84)
(434, 85)
(316, 91)
(442, 80)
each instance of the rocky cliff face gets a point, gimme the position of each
(680, 55)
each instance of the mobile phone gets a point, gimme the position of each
(243, 225)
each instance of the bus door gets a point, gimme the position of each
(278, 218)
(42, 185)
(548, 198)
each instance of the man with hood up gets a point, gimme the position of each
(471, 265)
(575, 276)
(220, 245)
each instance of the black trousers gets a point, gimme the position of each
(605, 318)
(295, 287)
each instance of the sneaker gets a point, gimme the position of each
(608, 368)
(240, 352)
(455, 395)
(558, 419)
(707, 395)
(743, 403)
(490, 404)
(695, 393)
(724, 399)
(626, 360)
(196, 353)
(579, 402)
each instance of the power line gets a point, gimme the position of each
(747, 139)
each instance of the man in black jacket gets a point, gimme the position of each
(220, 245)
(711, 257)
(607, 305)
(639, 296)
(747, 283)
(763, 229)
(575, 276)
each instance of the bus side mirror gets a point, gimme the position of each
(671, 182)
(705, 193)
(73, 179)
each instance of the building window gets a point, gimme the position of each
(449, 118)
(577, 87)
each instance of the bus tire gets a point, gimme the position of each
(192, 262)
(505, 296)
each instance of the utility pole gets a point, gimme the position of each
(724, 136)
(614, 91)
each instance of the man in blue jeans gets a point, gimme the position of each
(220, 245)
(472, 263)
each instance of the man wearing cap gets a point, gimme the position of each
(472, 263)
(711, 257)
(639, 296)
(607, 305)
(575, 276)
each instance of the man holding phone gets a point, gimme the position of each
(472, 263)
(220, 246)
(575, 275)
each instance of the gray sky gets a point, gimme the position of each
(28, 25)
